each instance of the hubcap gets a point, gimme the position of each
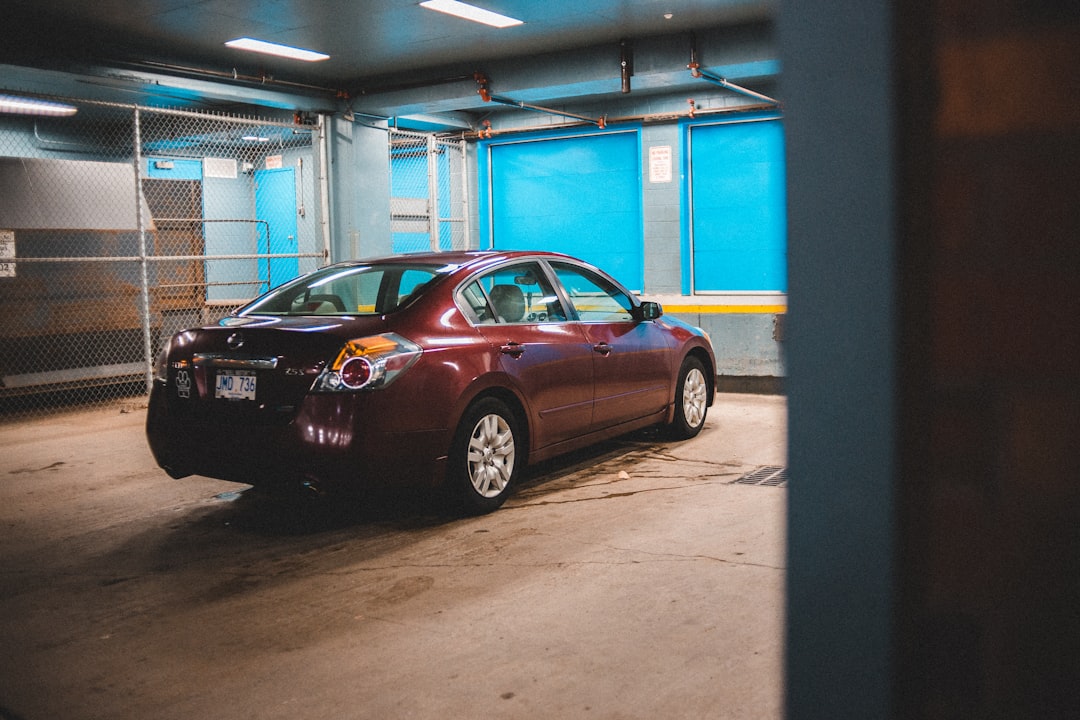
(694, 398)
(491, 455)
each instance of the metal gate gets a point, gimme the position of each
(429, 192)
(121, 224)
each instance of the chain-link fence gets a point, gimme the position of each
(428, 192)
(120, 225)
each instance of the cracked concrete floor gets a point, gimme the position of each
(635, 580)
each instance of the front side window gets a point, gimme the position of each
(518, 293)
(594, 298)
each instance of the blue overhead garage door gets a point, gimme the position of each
(580, 195)
(738, 228)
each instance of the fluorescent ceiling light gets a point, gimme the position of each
(471, 12)
(269, 48)
(29, 106)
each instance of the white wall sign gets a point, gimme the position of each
(7, 253)
(219, 168)
(273, 162)
(660, 164)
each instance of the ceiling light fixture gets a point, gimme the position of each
(15, 105)
(471, 12)
(269, 48)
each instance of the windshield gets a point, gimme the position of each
(350, 290)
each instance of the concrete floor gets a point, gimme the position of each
(636, 580)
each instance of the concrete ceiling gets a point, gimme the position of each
(386, 56)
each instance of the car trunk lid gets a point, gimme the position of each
(256, 370)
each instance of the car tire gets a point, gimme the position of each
(691, 400)
(486, 456)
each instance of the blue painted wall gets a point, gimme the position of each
(578, 193)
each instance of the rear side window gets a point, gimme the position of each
(411, 282)
(473, 302)
(357, 290)
(518, 293)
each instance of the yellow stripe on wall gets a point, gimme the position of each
(716, 309)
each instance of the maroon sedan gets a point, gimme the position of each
(432, 369)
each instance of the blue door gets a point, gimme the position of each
(275, 206)
(739, 229)
(580, 195)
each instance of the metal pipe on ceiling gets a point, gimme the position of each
(646, 119)
(626, 64)
(484, 92)
(234, 75)
(728, 85)
(695, 70)
(600, 122)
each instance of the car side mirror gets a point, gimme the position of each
(649, 310)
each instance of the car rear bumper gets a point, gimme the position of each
(333, 443)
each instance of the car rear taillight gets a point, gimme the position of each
(356, 372)
(161, 363)
(368, 363)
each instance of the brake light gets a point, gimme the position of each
(161, 363)
(368, 363)
(355, 372)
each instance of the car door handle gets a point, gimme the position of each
(602, 348)
(512, 349)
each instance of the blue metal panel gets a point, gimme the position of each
(171, 169)
(275, 204)
(739, 227)
(579, 194)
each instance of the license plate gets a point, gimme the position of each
(234, 385)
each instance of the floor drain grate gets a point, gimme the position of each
(771, 475)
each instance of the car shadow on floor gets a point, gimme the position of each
(254, 511)
(242, 541)
(588, 460)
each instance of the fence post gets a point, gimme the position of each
(466, 211)
(433, 192)
(144, 270)
(324, 186)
